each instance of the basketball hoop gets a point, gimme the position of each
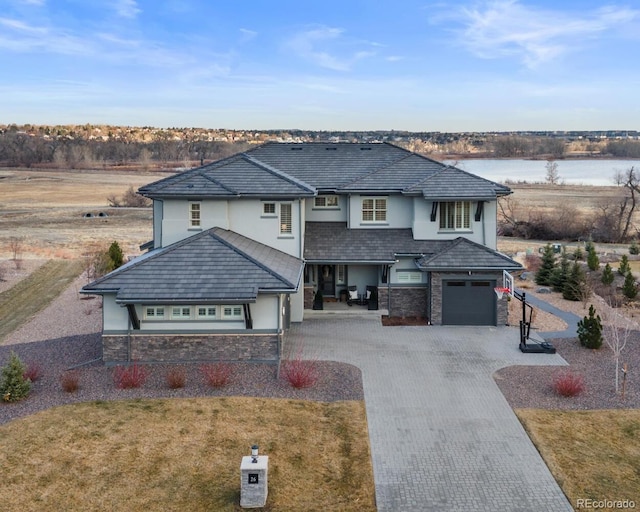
(500, 291)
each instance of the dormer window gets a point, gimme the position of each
(455, 216)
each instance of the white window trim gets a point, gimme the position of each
(321, 202)
(265, 213)
(195, 221)
(341, 274)
(236, 312)
(155, 315)
(289, 233)
(375, 210)
(207, 316)
(408, 276)
(181, 315)
(464, 217)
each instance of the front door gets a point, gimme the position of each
(327, 280)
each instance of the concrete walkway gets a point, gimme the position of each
(443, 438)
(570, 318)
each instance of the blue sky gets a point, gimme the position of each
(331, 65)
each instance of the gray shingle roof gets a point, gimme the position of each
(450, 183)
(236, 176)
(299, 170)
(215, 266)
(333, 242)
(463, 254)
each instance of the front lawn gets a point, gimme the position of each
(184, 454)
(594, 455)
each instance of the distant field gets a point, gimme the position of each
(46, 209)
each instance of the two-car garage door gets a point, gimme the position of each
(468, 302)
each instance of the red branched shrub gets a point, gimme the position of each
(33, 372)
(176, 378)
(300, 373)
(131, 376)
(217, 375)
(70, 381)
(568, 383)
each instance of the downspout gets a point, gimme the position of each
(429, 298)
(279, 341)
(300, 251)
(389, 289)
(128, 338)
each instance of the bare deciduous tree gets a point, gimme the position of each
(552, 177)
(16, 247)
(616, 335)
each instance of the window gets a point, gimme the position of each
(269, 209)
(207, 312)
(325, 202)
(194, 215)
(455, 215)
(232, 312)
(374, 210)
(341, 274)
(285, 219)
(154, 312)
(409, 276)
(180, 312)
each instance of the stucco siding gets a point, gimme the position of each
(399, 212)
(114, 316)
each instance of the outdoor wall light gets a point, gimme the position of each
(254, 453)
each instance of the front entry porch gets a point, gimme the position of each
(337, 308)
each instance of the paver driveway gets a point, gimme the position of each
(442, 435)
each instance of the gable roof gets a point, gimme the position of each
(463, 254)
(450, 183)
(291, 170)
(215, 266)
(234, 177)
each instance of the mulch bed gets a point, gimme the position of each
(393, 321)
(532, 386)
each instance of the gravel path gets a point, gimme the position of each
(67, 334)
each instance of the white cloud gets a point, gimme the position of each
(247, 35)
(34, 2)
(325, 47)
(126, 8)
(509, 28)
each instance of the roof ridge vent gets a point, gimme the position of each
(296, 148)
(365, 148)
(331, 148)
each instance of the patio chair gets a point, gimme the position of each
(352, 295)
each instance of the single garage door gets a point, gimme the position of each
(467, 302)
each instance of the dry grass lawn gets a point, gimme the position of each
(592, 454)
(185, 455)
(31, 295)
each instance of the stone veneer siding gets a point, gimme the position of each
(405, 300)
(436, 294)
(196, 347)
(308, 296)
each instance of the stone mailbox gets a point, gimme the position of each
(254, 471)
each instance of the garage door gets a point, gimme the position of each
(468, 302)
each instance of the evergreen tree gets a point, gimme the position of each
(607, 275)
(560, 274)
(624, 267)
(543, 275)
(593, 262)
(634, 248)
(13, 385)
(590, 330)
(578, 254)
(116, 256)
(575, 286)
(629, 288)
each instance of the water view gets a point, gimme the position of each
(571, 172)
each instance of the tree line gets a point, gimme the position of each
(24, 150)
